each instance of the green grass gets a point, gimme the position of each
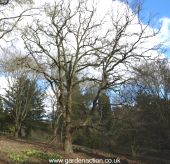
(18, 158)
(26, 156)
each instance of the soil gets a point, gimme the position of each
(11, 144)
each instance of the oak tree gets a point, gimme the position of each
(72, 41)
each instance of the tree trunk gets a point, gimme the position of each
(68, 139)
(16, 134)
(68, 129)
(17, 129)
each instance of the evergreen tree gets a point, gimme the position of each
(2, 115)
(24, 102)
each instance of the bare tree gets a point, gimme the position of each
(5, 2)
(11, 14)
(74, 42)
(154, 78)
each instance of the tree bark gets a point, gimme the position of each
(68, 139)
(68, 129)
(17, 130)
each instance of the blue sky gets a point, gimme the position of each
(161, 10)
(160, 7)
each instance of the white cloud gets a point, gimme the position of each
(5, 82)
(165, 31)
(118, 9)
